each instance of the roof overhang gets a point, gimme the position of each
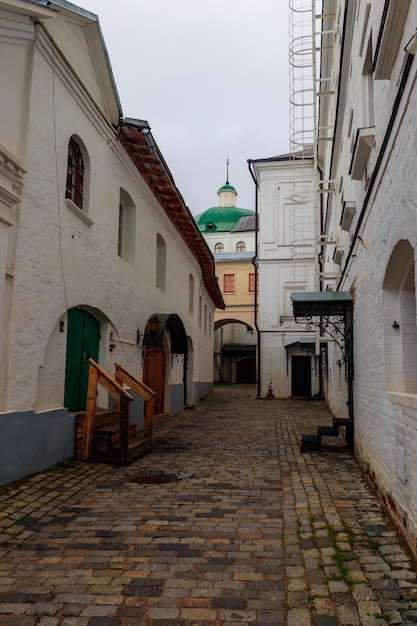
(137, 139)
(309, 304)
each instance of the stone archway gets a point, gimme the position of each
(165, 360)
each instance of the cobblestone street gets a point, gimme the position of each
(225, 523)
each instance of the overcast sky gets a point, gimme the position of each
(210, 77)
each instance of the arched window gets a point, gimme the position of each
(126, 227)
(219, 247)
(191, 294)
(74, 189)
(400, 331)
(240, 246)
(161, 262)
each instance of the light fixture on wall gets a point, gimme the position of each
(112, 344)
(153, 325)
(411, 46)
(395, 324)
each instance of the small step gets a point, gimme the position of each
(327, 431)
(138, 447)
(310, 443)
(108, 437)
(341, 421)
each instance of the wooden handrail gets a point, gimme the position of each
(109, 384)
(97, 375)
(122, 375)
(122, 398)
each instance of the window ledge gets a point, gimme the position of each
(348, 213)
(405, 399)
(78, 212)
(365, 140)
(338, 255)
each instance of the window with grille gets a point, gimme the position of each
(229, 283)
(75, 174)
(219, 247)
(241, 246)
(252, 282)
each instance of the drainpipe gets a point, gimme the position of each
(255, 265)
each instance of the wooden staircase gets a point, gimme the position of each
(107, 436)
(314, 442)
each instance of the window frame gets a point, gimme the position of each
(228, 281)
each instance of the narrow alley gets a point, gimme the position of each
(224, 523)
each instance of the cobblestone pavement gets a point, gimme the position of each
(225, 523)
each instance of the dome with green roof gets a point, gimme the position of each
(222, 218)
(227, 187)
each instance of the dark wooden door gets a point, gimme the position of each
(83, 335)
(301, 376)
(154, 374)
(246, 371)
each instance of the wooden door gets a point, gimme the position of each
(301, 376)
(154, 374)
(83, 335)
(246, 370)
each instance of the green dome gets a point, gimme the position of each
(227, 187)
(221, 219)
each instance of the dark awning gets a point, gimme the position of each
(297, 342)
(321, 303)
(239, 349)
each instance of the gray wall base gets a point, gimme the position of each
(32, 442)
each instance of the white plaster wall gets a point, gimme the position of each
(384, 421)
(62, 262)
(230, 239)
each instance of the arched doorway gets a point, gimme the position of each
(83, 336)
(165, 345)
(235, 344)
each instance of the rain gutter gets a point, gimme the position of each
(255, 265)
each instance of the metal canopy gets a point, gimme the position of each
(321, 303)
(239, 349)
(300, 341)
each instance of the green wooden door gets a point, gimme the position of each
(83, 336)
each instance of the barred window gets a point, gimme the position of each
(75, 174)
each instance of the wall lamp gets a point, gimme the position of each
(153, 325)
(411, 46)
(395, 325)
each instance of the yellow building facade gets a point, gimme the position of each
(230, 234)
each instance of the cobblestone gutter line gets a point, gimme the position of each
(224, 523)
(342, 556)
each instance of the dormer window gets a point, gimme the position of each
(211, 226)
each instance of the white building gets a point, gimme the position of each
(95, 241)
(289, 353)
(230, 233)
(367, 145)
